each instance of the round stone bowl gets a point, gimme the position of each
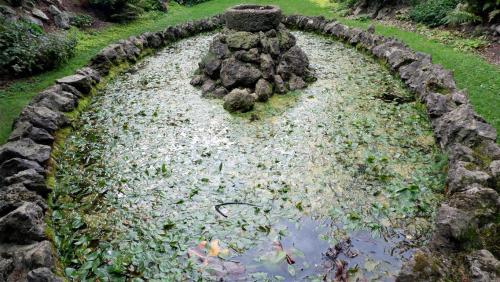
(253, 17)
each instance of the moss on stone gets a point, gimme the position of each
(481, 156)
(242, 40)
(489, 237)
(425, 265)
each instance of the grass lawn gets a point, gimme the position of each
(481, 79)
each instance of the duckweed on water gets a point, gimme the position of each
(138, 180)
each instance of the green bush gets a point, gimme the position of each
(126, 10)
(432, 12)
(489, 10)
(26, 49)
(190, 2)
(461, 15)
(152, 5)
(81, 21)
(118, 10)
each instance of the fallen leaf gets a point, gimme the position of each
(214, 249)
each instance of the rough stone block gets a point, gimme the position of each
(25, 149)
(23, 225)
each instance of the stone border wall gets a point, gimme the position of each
(474, 158)
(26, 254)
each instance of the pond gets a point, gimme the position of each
(159, 183)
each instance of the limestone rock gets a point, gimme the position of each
(452, 224)
(27, 130)
(198, 80)
(16, 165)
(43, 117)
(25, 149)
(264, 90)
(266, 66)
(15, 195)
(62, 20)
(286, 39)
(43, 274)
(23, 225)
(250, 56)
(211, 65)
(242, 40)
(494, 170)
(239, 100)
(462, 174)
(483, 202)
(6, 267)
(53, 10)
(270, 46)
(93, 74)
(280, 84)
(39, 14)
(81, 82)
(297, 60)
(55, 100)
(219, 92)
(208, 86)
(484, 267)
(438, 105)
(296, 82)
(422, 267)
(219, 49)
(30, 179)
(236, 73)
(462, 125)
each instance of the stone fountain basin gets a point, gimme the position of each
(253, 17)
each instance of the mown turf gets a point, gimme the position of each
(481, 79)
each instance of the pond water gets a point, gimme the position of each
(158, 183)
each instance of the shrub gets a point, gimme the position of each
(81, 21)
(126, 10)
(489, 10)
(432, 12)
(118, 10)
(153, 5)
(26, 49)
(190, 2)
(461, 15)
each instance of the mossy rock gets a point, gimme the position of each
(242, 40)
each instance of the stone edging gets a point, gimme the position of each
(474, 157)
(26, 253)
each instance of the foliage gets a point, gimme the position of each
(461, 15)
(190, 2)
(432, 12)
(126, 10)
(452, 39)
(27, 49)
(81, 21)
(118, 10)
(487, 9)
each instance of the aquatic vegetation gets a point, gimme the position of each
(138, 181)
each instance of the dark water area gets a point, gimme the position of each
(367, 255)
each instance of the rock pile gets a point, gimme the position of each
(252, 58)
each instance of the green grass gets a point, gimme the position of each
(481, 79)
